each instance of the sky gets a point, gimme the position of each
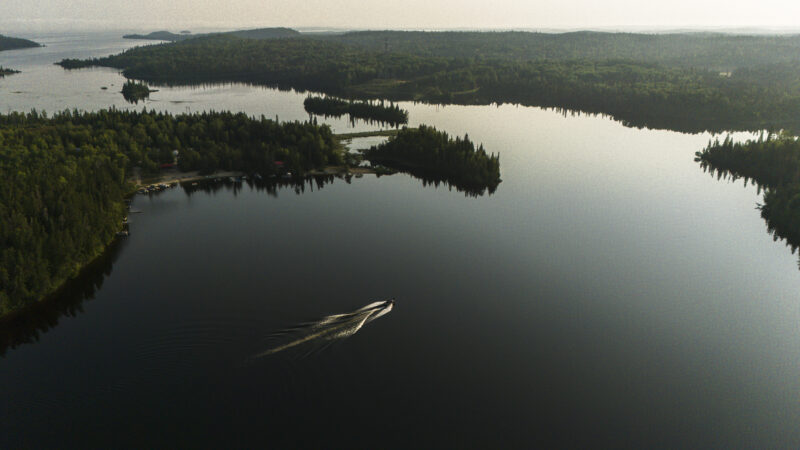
(175, 15)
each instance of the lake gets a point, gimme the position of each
(609, 293)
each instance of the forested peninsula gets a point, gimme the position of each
(64, 179)
(773, 162)
(66, 176)
(11, 43)
(691, 82)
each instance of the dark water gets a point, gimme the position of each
(608, 294)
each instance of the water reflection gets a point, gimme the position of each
(353, 121)
(27, 325)
(271, 186)
(429, 178)
(780, 209)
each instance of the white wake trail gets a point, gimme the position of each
(333, 327)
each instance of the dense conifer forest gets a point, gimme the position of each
(64, 179)
(773, 162)
(690, 82)
(370, 111)
(436, 157)
(714, 51)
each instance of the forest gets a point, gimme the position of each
(64, 179)
(773, 162)
(646, 88)
(713, 51)
(11, 43)
(434, 156)
(134, 92)
(390, 114)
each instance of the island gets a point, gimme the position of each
(258, 33)
(158, 36)
(772, 162)
(434, 156)
(686, 82)
(134, 92)
(371, 111)
(11, 43)
(4, 71)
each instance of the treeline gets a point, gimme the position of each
(11, 43)
(639, 93)
(4, 71)
(205, 141)
(434, 156)
(772, 162)
(714, 51)
(64, 178)
(377, 111)
(134, 92)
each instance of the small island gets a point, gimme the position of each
(4, 71)
(378, 111)
(434, 156)
(158, 36)
(135, 91)
(11, 43)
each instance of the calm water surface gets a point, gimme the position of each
(609, 293)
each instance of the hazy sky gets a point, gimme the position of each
(40, 15)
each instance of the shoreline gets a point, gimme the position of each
(172, 178)
(65, 284)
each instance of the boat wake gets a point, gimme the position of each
(321, 333)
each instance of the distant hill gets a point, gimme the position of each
(10, 43)
(713, 51)
(259, 33)
(159, 36)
